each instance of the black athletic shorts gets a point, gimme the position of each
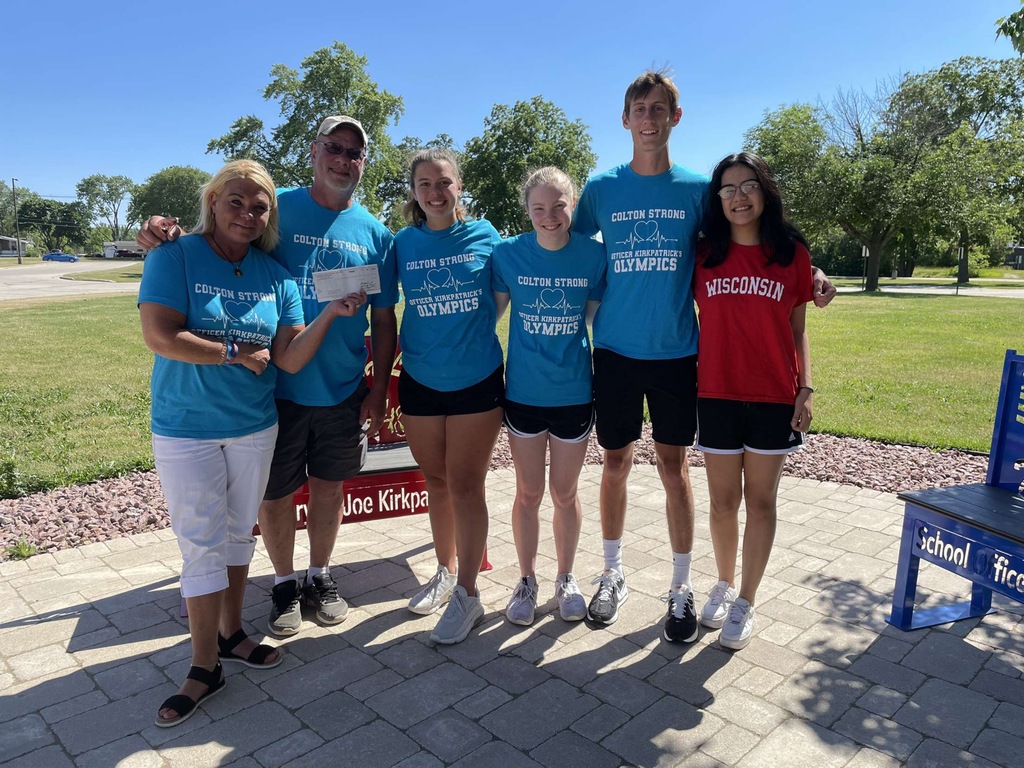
(420, 400)
(568, 423)
(620, 386)
(325, 442)
(735, 426)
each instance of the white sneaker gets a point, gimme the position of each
(720, 600)
(462, 614)
(739, 626)
(523, 603)
(571, 605)
(434, 594)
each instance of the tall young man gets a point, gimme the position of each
(645, 336)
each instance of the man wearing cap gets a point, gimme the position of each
(323, 407)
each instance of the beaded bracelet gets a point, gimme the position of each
(230, 351)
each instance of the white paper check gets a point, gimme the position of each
(334, 284)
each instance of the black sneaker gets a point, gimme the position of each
(285, 613)
(681, 622)
(323, 595)
(611, 593)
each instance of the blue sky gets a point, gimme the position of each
(84, 91)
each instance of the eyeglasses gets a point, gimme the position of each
(748, 187)
(337, 149)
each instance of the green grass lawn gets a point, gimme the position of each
(74, 392)
(74, 384)
(911, 369)
(125, 272)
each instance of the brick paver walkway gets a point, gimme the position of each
(91, 643)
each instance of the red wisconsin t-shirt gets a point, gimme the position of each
(747, 351)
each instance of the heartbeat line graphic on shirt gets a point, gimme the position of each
(552, 298)
(645, 232)
(440, 280)
(236, 312)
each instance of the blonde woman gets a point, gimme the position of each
(220, 316)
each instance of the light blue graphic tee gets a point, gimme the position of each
(448, 339)
(217, 401)
(314, 238)
(649, 226)
(548, 349)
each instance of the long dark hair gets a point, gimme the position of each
(778, 235)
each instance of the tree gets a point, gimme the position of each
(854, 177)
(973, 109)
(7, 224)
(970, 181)
(56, 224)
(94, 238)
(527, 135)
(1012, 28)
(793, 140)
(986, 94)
(173, 191)
(104, 197)
(333, 81)
(934, 154)
(7, 210)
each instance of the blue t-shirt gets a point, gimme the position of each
(314, 238)
(548, 349)
(209, 402)
(649, 225)
(448, 339)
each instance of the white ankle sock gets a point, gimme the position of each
(681, 568)
(613, 555)
(316, 570)
(283, 579)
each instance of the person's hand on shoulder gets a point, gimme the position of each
(157, 230)
(824, 291)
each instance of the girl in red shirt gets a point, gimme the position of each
(752, 284)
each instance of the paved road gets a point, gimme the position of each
(49, 279)
(46, 280)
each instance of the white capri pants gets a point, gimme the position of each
(213, 490)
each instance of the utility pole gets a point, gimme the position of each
(17, 226)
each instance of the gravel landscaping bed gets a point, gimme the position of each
(81, 514)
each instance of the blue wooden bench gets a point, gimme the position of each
(975, 531)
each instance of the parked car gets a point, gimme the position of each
(59, 256)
